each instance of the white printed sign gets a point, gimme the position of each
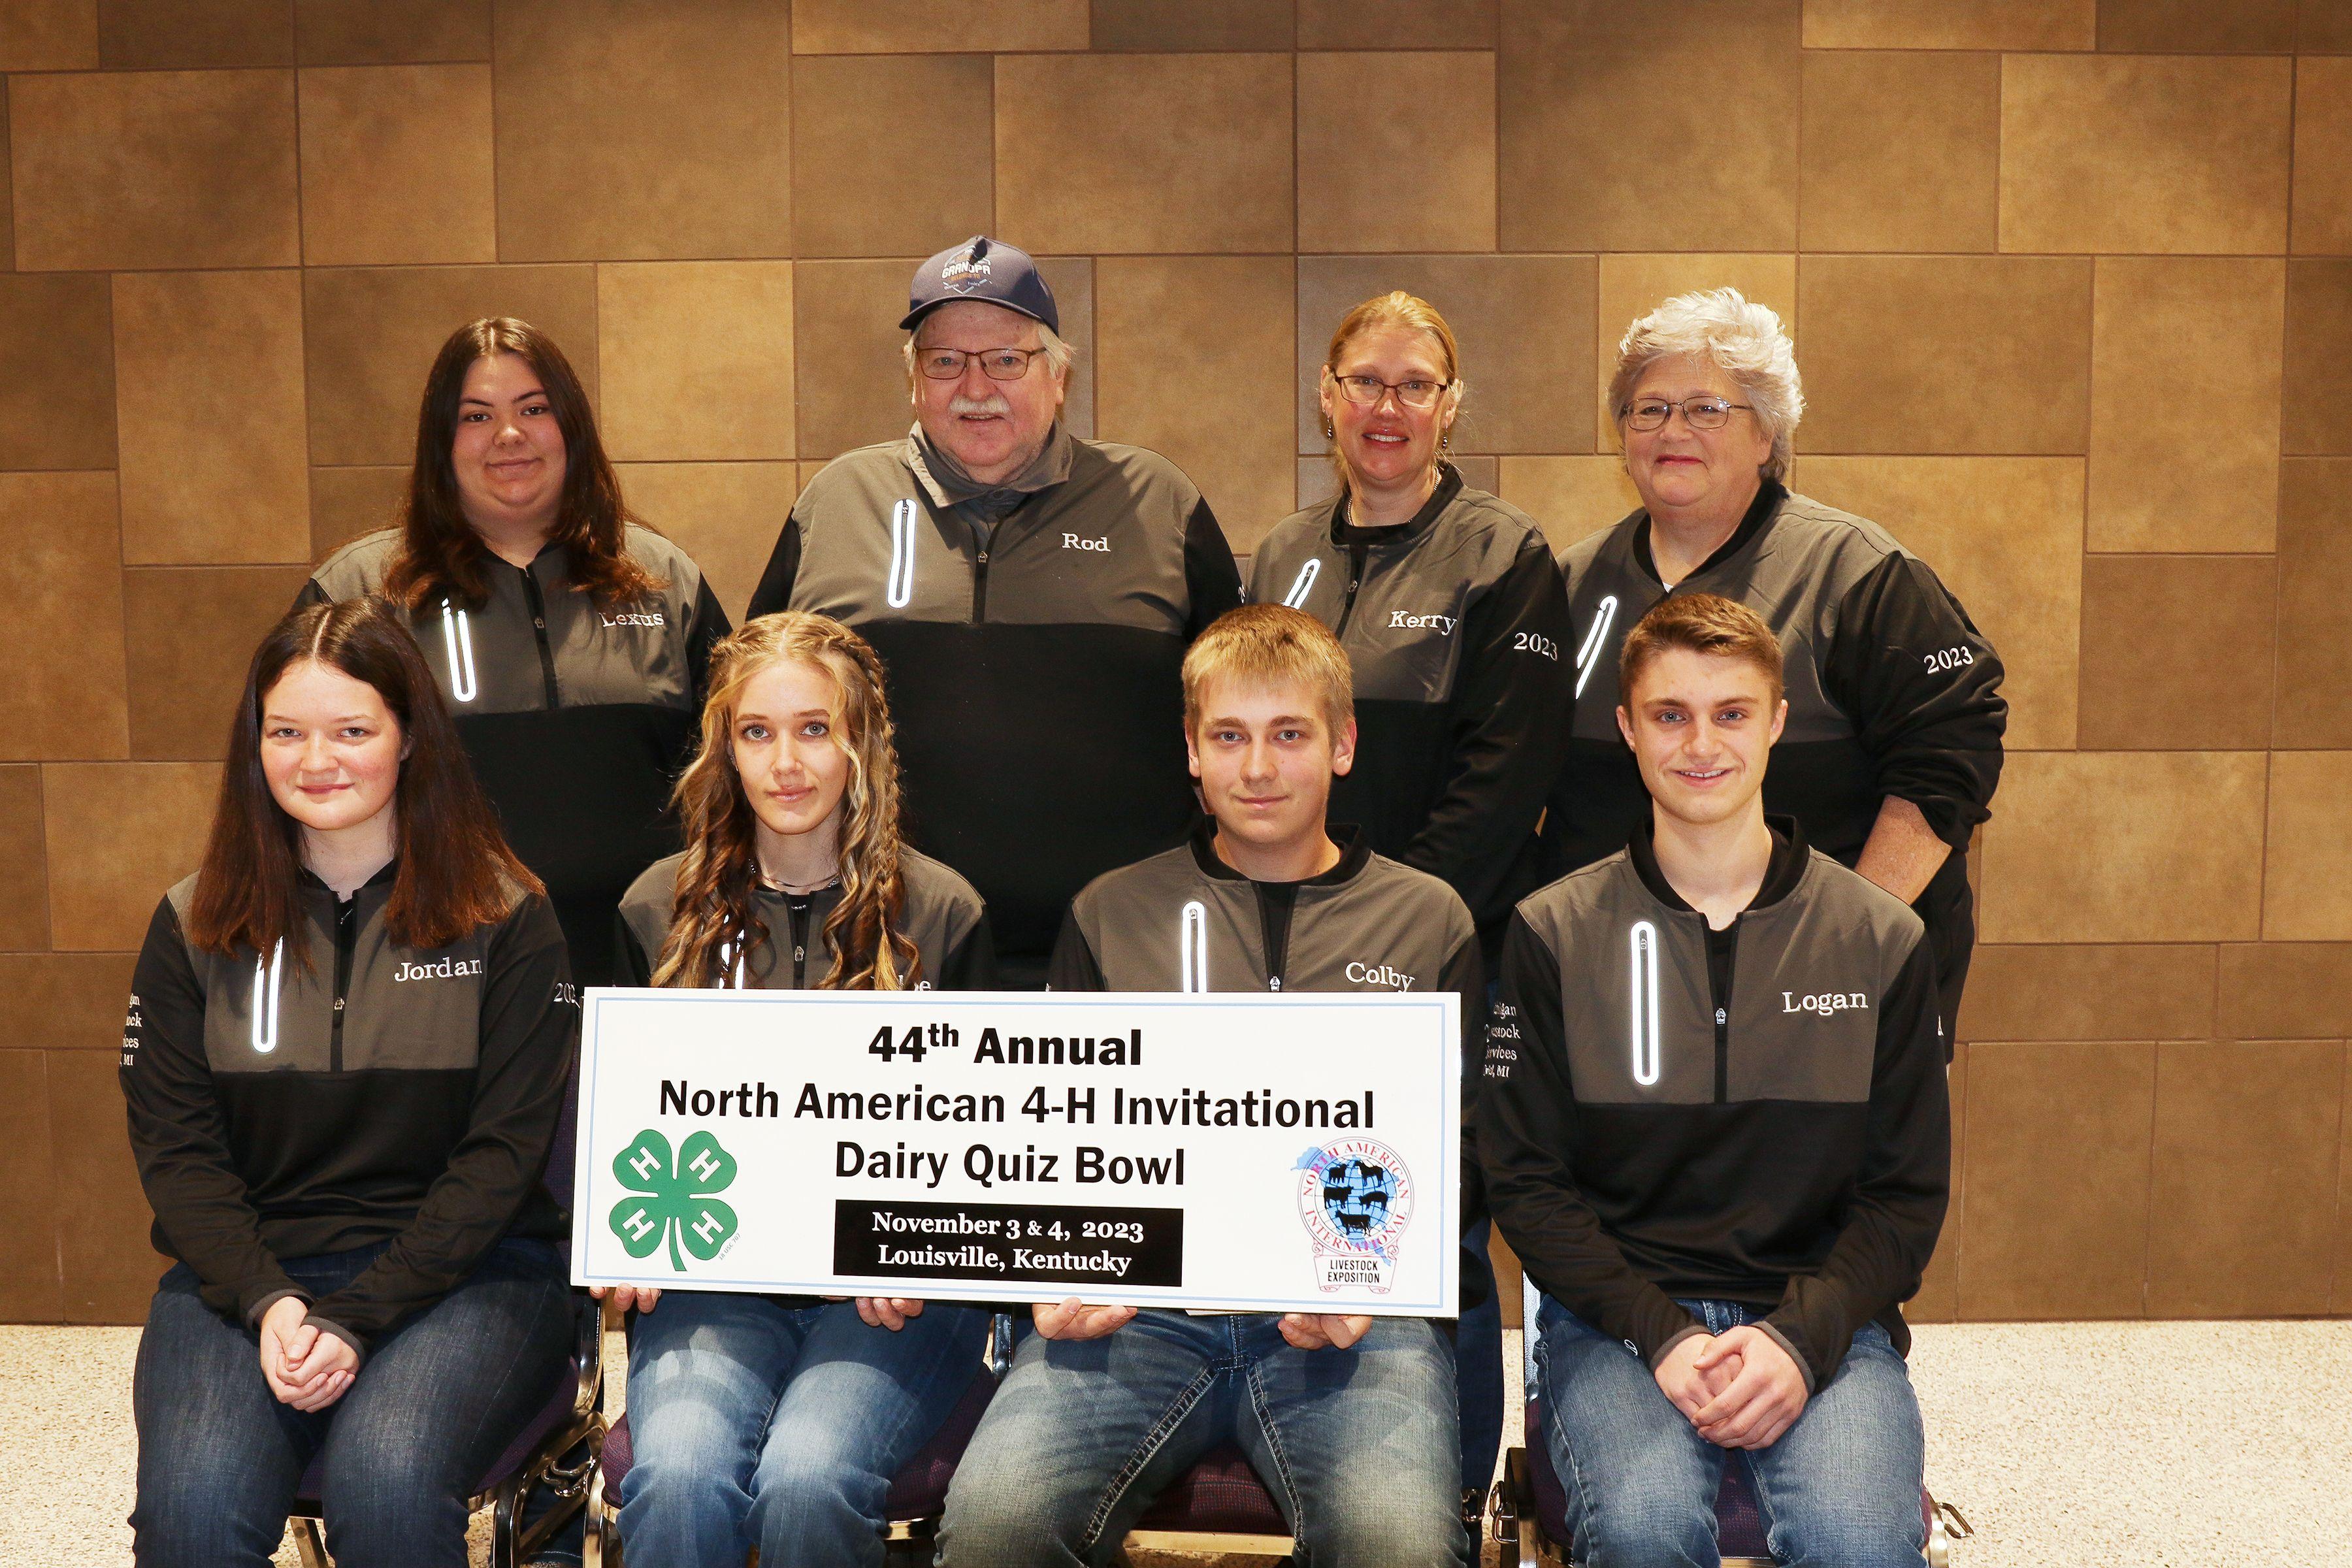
(1239, 1151)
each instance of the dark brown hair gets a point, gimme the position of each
(439, 551)
(455, 872)
(1702, 623)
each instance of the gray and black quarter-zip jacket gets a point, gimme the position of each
(1034, 658)
(1755, 1114)
(578, 718)
(1456, 626)
(378, 1093)
(1892, 692)
(942, 917)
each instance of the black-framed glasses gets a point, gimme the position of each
(1699, 413)
(999, 364)
(1365, 391)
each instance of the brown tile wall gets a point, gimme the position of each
(2070, 281)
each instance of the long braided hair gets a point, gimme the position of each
(715, 925)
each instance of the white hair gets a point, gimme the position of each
(1059, 354)
(1740, 338)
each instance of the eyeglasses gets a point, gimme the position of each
(1001, 364)
(1365, 391)
(1699, 413)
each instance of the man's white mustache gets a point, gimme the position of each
(995, 402)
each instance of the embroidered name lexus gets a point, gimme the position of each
(1380, 974)
(1445, 624)
(633, 618)
(443, 969)
(1827, 1002)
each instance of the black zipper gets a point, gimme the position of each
(798, 909)
(1274, 933)
(1722, 955)
(539, 626)
(1355, 581)
(347, 932)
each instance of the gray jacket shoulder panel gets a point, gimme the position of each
(357, 567)
(939, 897)
(651, 903)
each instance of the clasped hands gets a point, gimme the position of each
(1739, 1388)
(304, 1366)
(1073, 1319)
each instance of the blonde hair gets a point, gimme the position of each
(1397, 308)
(718, 880)
(1740, 338)
(1270, 644)
(1699, 623)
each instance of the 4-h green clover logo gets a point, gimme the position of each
(676, 1200)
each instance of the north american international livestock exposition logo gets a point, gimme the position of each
(674, 1199)
(1355, 1198)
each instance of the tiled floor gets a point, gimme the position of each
(2095, 1445)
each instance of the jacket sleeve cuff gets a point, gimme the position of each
(329, 1326)
(260, 1308)
(1658, 1357)
(1772, 1332)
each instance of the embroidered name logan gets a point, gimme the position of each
(1827, 1002)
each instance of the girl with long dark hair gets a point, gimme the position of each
(778, 1422)
(569, 640)
(343, 1062)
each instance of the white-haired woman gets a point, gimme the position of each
(1893, 739)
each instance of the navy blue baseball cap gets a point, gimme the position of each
(982, 268)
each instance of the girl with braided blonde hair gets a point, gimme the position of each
(769, 1422)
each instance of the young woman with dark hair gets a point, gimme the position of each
(569, 640)
(344, 1060)
(778, 1422)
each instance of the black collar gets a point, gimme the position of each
(1353, 854)
(1345, 534)
(1760, 511)
(309, 881)
(1781, 875)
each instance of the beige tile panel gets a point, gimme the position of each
(2325, 25)
(2125, 847)
(864, 124)
(2315, 614)
(391, 32)
(7, 195)
(371, 334)
(2057, 1180)
(725, 516)
(48, 35)
(2323, 156)
(69, 1001)
(1523, 324)
(1571, 497)
(1193, 354)
(1575, 79)
(154, 169)
(1901, 151)
(2198, 27)
(1632, 286)
(2185, 384)
(1396, 150)
(57, 373)
(195, 630)
(1946, 355)
(1078, 136)
(937, 26)
(63, 697)
(696, 359)
(2246, 1132)
(1939, 1300)
(2307, 855)
(1193, 25)
(628, 131)
(2177, 652)
(146, 35)
(2285, 990)
(396, 165)
(209, 478)
(1398, 24)
(104, 1219)
(2064, 992)
(347, 502)
(24, 861)
(30, 1288)
(2317, 420)
(2005, 535)
(2142, 152)
(1951, 23)
(119, 833)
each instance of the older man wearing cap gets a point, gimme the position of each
(1033, 594)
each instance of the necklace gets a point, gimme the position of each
(777, 885)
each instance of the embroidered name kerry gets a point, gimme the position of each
(1445, 624)
(633, 618)
(1827, 1002)
(443, 969)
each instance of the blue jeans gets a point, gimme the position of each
(1478, 1358)
(1841, 1487)
(1358, 1447)
(760, 1425)
(438, 1398)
